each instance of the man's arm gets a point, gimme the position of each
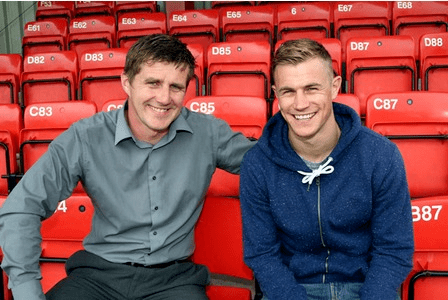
(261, 246)
(392, 230)
(231, 147)
(51, 179)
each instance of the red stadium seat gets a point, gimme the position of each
(113, 105)
(91, 33)
(247, 115)
(51, 71)
(239, 68)
(44, 36)
(247, 23)
(429, 276)
(100, 75)
(219, 246)
(361, 19)
(220, 4)
(195, 87)
(417, 122)
(379, 65)
(43, 122)
(416, 18)
(88, 8)
(434, 62)
(133, 25)
(10, 69)
(51, 10)
(134, 6)
(11, 123)
(62, 235)
(195, 26)
(304, 20)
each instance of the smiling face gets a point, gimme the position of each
(305, 92)
(155, 98)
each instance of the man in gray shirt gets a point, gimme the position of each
(146, 168)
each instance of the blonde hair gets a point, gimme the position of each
(294, 52)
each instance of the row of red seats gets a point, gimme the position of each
(219, 245)
(374, 65)
(416, 121)
(72, 9)
(269, 22)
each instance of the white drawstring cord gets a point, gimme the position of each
(323, 169)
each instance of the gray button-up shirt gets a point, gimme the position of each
(147, 198)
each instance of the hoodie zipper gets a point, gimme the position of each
(320, 229)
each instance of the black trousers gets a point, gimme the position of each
(91, 277)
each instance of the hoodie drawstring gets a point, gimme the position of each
(323, 169)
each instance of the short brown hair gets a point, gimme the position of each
(158, 48)
(293, 52)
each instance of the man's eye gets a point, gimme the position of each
(286, 93)
(312, 89)
(176, 88)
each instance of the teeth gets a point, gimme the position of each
(159, 109)
(303, 117)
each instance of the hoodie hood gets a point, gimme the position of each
(274, 142)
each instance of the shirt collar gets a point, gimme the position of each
(123, 131)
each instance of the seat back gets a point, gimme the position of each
(62, 235)
(418, 18)
(244, 114)
(434, 62)
(239, 68)
(134, 6)
(361, 19)
(11, 123)
(51, 10)
(43, 122)
(113, 105)
(100, 75)
(195, 27)
(44, 36)
(247, 115)
(304, 20)
(10, 69)
(247, 23)
(196, 86)
(219, 245)
(91, 33)
(417, 122)
(380, 65)
(98, 8)
(134, 25)
(51, 71)
(429, 276)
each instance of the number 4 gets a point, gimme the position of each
(62, 206)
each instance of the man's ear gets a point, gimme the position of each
(336, 86)
(125, 83)
(275, 91)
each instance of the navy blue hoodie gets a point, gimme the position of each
(353, 224)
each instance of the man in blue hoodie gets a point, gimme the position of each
(325, 201)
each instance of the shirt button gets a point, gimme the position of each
(154, 233)
(156, 208)
(154, 177)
